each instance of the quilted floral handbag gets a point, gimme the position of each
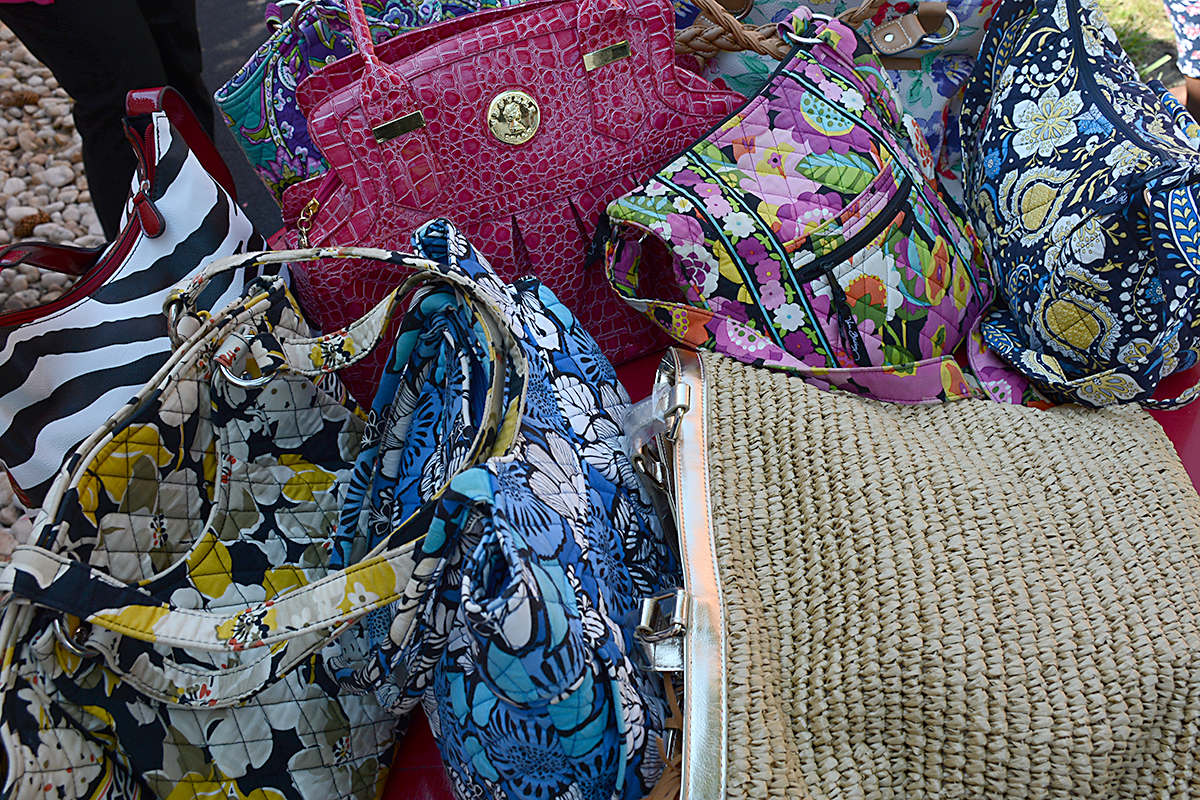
(1081, 179)
(515, 629)
(929, 55)
(164, 634)
(805, 238)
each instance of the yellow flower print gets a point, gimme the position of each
(209, 566)
(216, 786)
(307, 479)
(1046, 123)
(134, 454)
(1074, 323)
(1032, 196)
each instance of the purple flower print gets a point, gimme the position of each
(686, 177)
(684, 229)
(767, 271)
(728, 308)
(772, 295)
(799, 345)
(717, 206)
(741, 342)
(752, 250)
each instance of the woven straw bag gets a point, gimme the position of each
(968, 599)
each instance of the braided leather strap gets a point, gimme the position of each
(724, 32)
(718, 30)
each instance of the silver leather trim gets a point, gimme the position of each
(705, 697)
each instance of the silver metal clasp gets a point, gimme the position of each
(67, 640)
(661, 631)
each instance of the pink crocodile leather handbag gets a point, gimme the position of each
(519, 125)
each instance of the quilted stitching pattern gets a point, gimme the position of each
(1070, 176)
(542, 543)
(807, 239)
(217, 499)
(585, 153)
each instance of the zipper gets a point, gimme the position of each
(824, 265)
(325, 190)
(99, 274)
(896, 157)
(1075, 11)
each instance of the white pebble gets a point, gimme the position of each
(30, 271)
(30, 297)
(18, 283)
(53, 231)
(54, 280)
(13, 303)
(57, 205)
(71, 214)
(9, 515)
(58, 176)
(29, 141)
(90, 240)
(14, 186)
(68, 195)
(7, 495)
(18, 213)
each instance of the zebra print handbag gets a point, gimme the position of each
(67, 365)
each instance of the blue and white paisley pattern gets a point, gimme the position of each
(537, 554)
(1070, 164)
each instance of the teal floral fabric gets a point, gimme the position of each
(1078, 177)
(806, 239)
(534, 547)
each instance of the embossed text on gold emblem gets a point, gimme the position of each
(513, 117)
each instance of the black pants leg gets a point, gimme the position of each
(98, 51)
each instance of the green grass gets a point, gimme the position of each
(1145, 33)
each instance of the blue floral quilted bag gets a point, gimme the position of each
(1079, 179)
(534, 541)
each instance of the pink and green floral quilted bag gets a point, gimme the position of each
(805, 238)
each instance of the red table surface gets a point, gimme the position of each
(417, 772)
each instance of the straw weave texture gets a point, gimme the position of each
(964, 600)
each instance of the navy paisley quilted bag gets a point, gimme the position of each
(535, 541)
(1079, 179)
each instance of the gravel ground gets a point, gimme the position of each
(43, 193)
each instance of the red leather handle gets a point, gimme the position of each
(360, 29)
(171, 103)
(54, 257)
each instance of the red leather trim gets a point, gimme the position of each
(152, 222)
(54, 257)
(171, 102)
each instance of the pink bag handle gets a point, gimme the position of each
(601, 24)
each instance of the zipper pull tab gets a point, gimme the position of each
(855, 346)
(304, 224)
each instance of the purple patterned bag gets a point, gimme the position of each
(805, 238)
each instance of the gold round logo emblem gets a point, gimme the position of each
(513, 117)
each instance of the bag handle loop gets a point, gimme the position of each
(725, 32)
(126, 609)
